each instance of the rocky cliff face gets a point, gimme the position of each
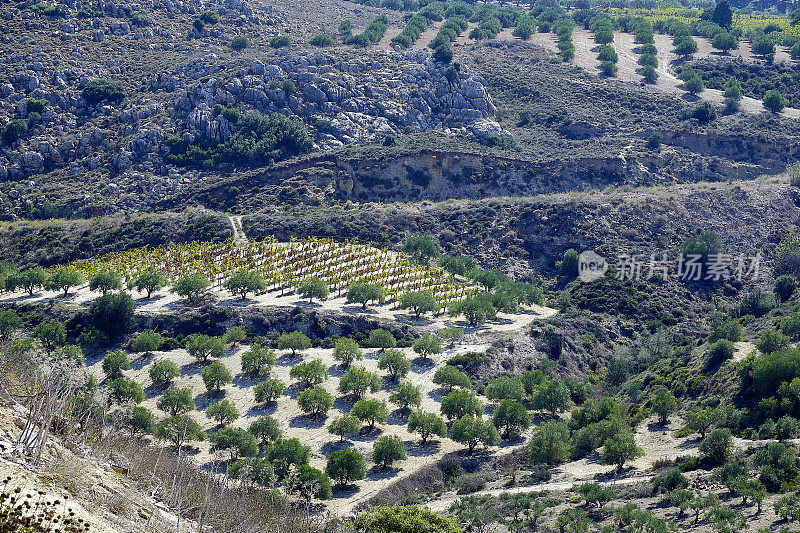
(345, 101)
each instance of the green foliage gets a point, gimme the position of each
(285, 453)
(345, 466)
(310, 482)
(346, 350)
(406, 396)
(147, 342)
(774, 101)
(664, 404)
(64, 278)
(201, 347)
(784, 288)
(422, 247)
(51, 334)
(310, 373)
(223, 413)
(363, 293)
(388, 449)
(258, 359)
(770, 341)
(257, 138)
(449, 377)
(419, 302)
(344, 425)
(142, 420)
(268, 390)
(245, 281)
(550, 443)
(149, 281)
(716, 447)
(215, 376)
(192, 286)
(176, 402)
(503, 388)
(9, 321)
(13, 131)
(526, 26)
(704, 111)
(405, 519)
(236, 441)
(357, 381)
(280, 41)
(178, 430)
(163, 371)
(725, 42)
(381, 338)
(426, 424)
(103, 90)
(619, 449)
(234, 335)
(114, 363)
(105, 281)
(313, 288)
(427, 345)
(321, 40)
(471, 431)
(123, 390)
(296, 341)
(476, 309)
(460, 403)
(607, 53)
(596, 494)
(700, 419)
(395, 362)
(315, 401)
(552, 396)
(209, 17)
(266, 429)
(253, 469)
(372, 33)
(370, 411)
(511, 418)
(240, 42)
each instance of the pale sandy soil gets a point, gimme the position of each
(313, 432)
(657, 441)
(586, 58)
(92, 490)
(742, 349)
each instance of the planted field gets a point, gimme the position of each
(286, 265)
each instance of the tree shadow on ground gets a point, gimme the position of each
(307, 422)
(367, 434)
(379, 472)
(334, 445)
(263, 409)
(345, 491)
(398, 417)
(415, 449)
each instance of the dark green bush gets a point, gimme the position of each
(258, 138)
(100, 90)
(240, 42)
(280, 41)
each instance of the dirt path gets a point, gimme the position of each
(742, 349)
(238, 233)
(657, 441)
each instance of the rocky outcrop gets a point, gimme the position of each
(354, 100)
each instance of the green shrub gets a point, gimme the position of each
(240, 42)
(280, 41)
(321, 40)
(100, 90)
